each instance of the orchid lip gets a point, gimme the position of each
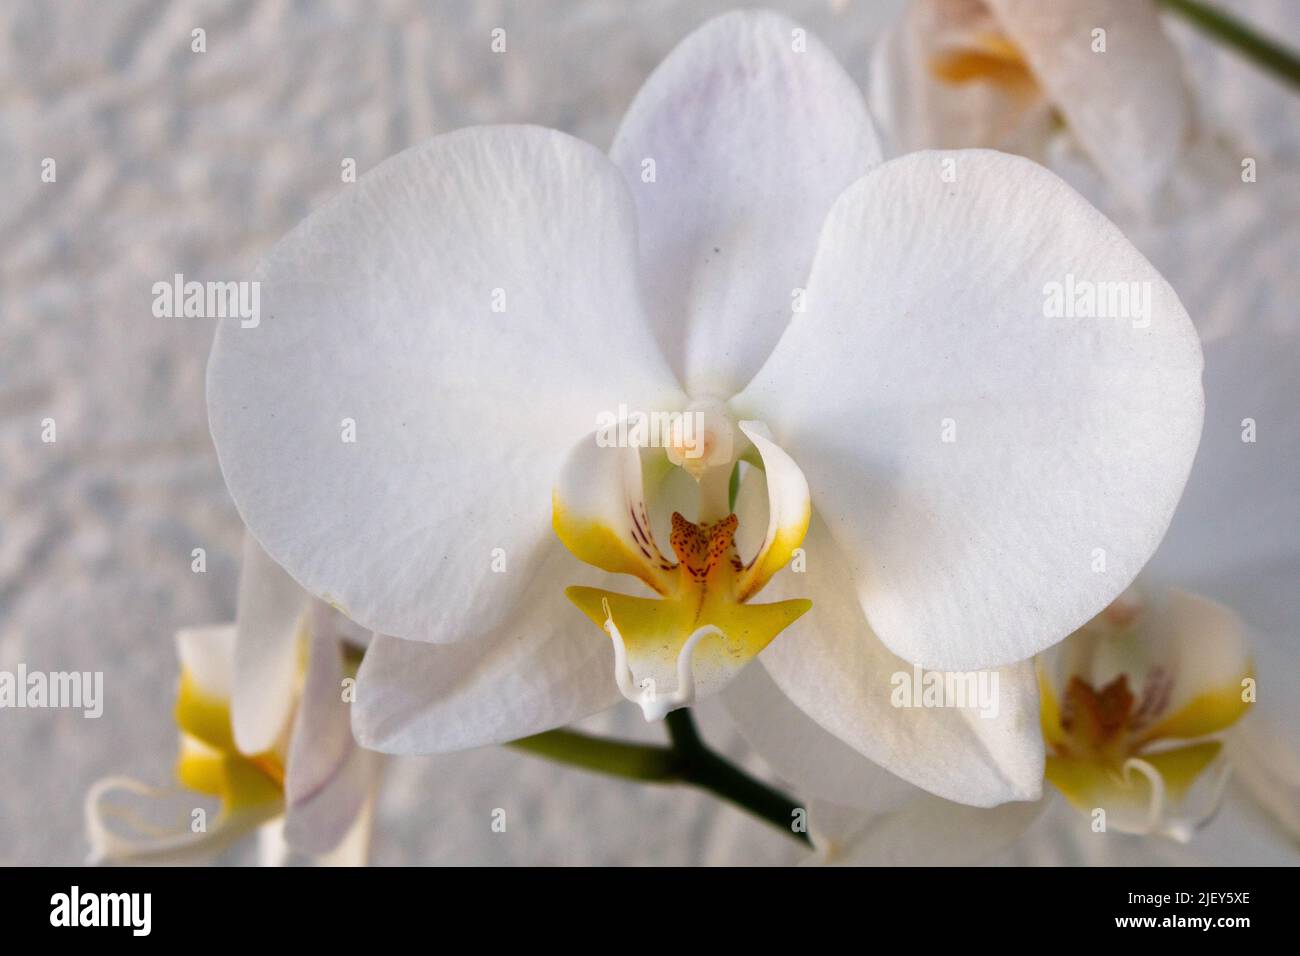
(654, 705)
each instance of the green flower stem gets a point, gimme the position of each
(1271, 56)
(617, 758)
(706, 769)
(688, 761)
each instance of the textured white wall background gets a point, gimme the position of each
(170, 161)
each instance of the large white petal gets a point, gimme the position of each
(752, 140)
(267, 635)
(834, 668)
(1071, 437)
(379, 309)
(547, 669)
(1128, 106)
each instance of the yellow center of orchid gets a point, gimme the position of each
(1099, 724)
(701, 628)
(984, 58)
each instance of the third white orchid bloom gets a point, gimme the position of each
(999, 73)
(412, 430)
(1135, 706)
(264, 730)
(1139, 714)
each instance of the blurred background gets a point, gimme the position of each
(170, 161)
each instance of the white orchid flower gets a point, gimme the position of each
(1134, 709)
(1139, 709)
(264, 731)
(1172, 698)
(412, 455)
(1004, 73)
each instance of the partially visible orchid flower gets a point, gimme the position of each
(1135, 706)
(419, 429)
(1152, 708)
(1005, 74)
(264, 731)
(1140, 709)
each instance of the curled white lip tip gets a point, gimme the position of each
(655, 706)
(1156, 808)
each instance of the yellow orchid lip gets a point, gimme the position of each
(700, 628)
(701, 623)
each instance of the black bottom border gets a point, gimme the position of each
(649, 906)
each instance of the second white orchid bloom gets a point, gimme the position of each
(1000, 73)
(412, 430)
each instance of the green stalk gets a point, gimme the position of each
(1264, 52)
(708, 770)
(614, 757)
(688, 761)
